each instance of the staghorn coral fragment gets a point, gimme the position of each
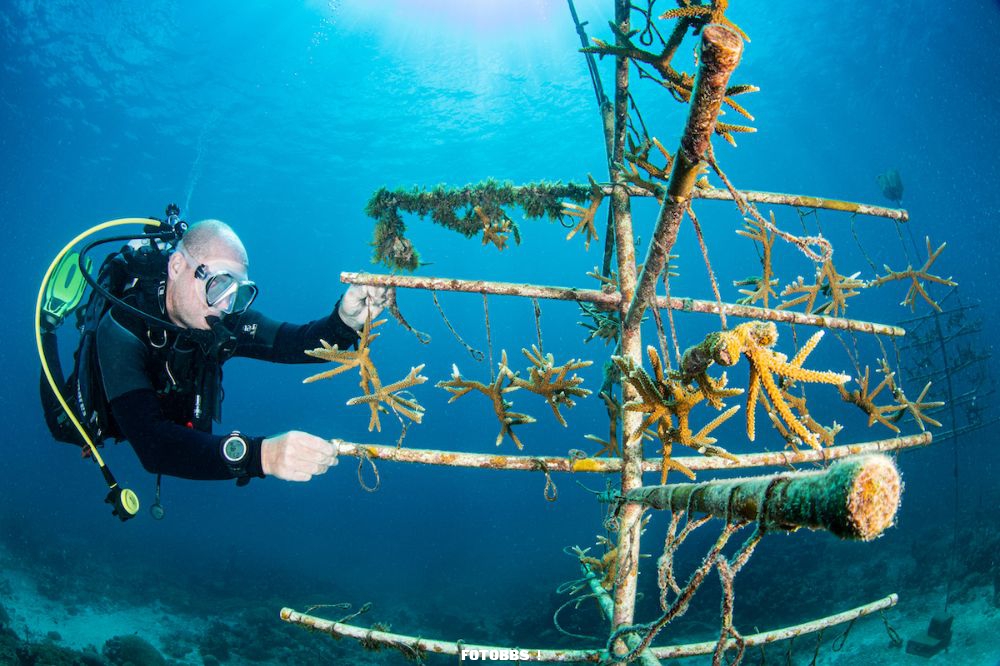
(549, 380)
(373, 393)
(678, 84)
(609, 283)
(653, 397)
(864, 398)
(732, 91)
(916, 287)
(607, 447)
(585, 215)
(705, 445)
(631, 174)
(458, 387)
(763, 286)
(754, 341)
(496, 229)
(637, 156)
(377, 397)
(838, 288)
(360, 358)
(384, 398)
(664, 397)
(916, 407)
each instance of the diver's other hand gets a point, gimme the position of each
(361, 298)
(297, 456)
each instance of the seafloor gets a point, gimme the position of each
(59, 608)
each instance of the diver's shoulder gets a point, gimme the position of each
(118, 326)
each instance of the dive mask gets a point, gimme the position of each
(223, 290)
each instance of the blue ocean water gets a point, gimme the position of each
(283, 118)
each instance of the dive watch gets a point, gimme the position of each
(235, 450)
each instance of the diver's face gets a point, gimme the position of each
(187, 302)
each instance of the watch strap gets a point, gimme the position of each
(252, 464)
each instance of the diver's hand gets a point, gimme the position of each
(297, 456)
(357, 299)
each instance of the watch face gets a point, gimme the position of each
(234, 449)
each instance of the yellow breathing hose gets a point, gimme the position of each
(57, 390)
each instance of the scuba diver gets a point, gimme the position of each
(151, 369)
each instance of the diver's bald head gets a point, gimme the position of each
(214, 238)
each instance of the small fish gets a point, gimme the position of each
(891, 185)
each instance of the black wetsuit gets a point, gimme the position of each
(153, 411)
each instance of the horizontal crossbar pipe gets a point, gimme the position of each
(775, 635)
(610, 300)
(779, 199)
(604, 465)
(415, 644)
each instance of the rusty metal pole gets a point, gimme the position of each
(575, 463)
(721, 49)
(630, 516)
(782, 199)
(613, 300)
